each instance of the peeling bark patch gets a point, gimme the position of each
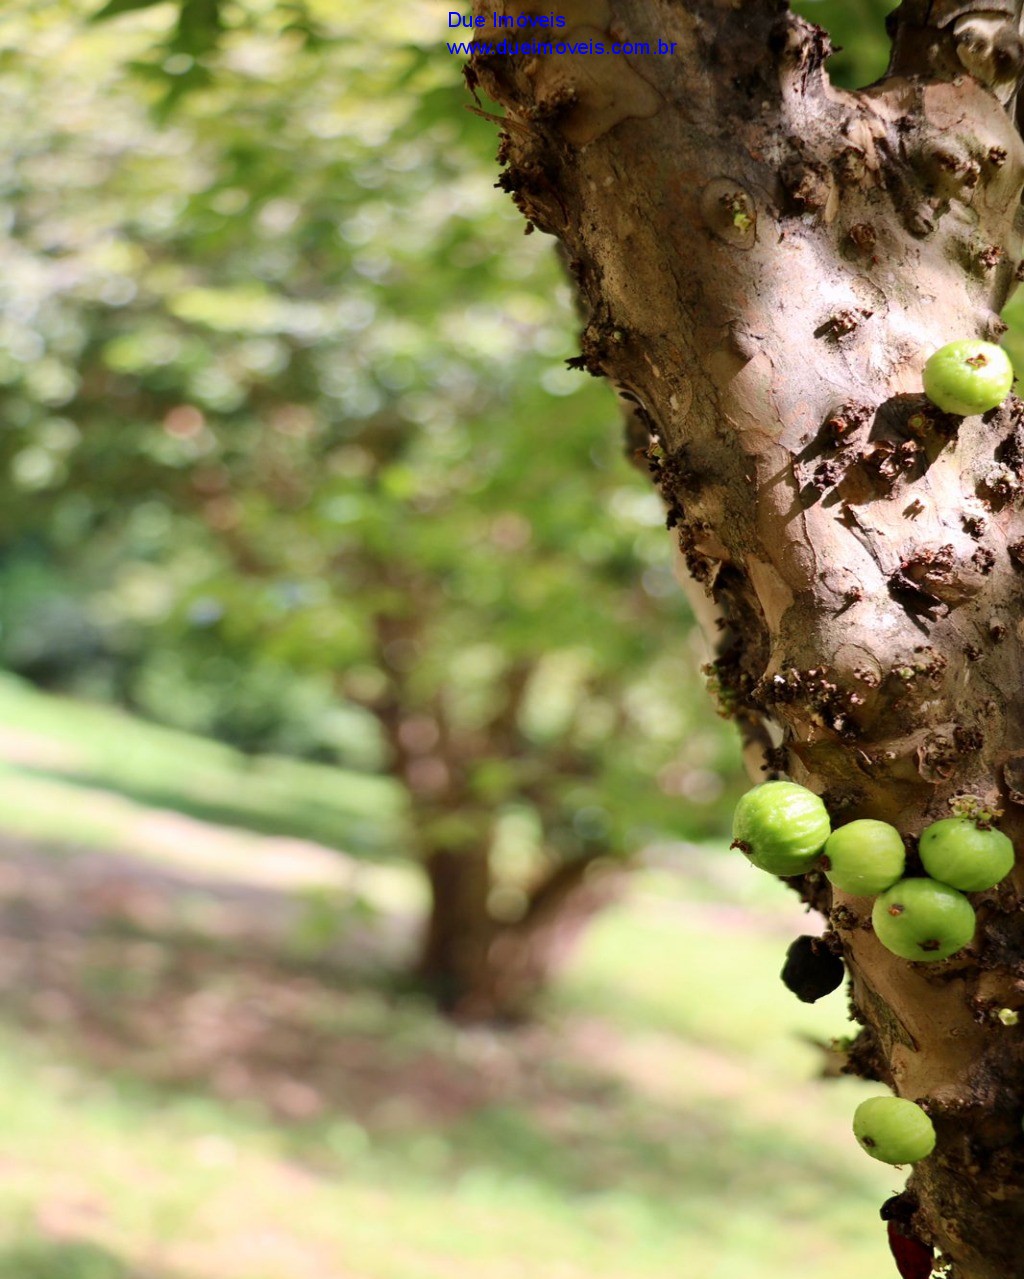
(843, 322)
(1013, 777)
(533, 192)
(832, 706)
(886, 1020)
(931, 577)
(843, 421)
(586, 96)
(886, 461)
(810, 188)
(937, 759)
(729, 212)
(863, 237)
(999, 485)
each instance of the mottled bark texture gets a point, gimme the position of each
(767, 261)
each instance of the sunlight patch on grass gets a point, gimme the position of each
(704, 970)
(99, 746)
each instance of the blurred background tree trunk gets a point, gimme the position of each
(481, 969)
(491, 942)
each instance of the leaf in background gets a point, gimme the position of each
(114, 8)
(200, 25)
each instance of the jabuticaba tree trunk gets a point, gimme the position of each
(480, 968)
(767, 261)
(455, 956)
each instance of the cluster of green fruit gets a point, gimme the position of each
(785, 829)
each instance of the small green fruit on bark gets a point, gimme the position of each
(968, 377)
(864, 857)
(957, 852)
(893, 1130)
(782, 827)
(923, 920)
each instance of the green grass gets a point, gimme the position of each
(35, 1259)
(601, 1178)
(715, 956)
(662, 1119)
(56, 746)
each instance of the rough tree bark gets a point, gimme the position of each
(766, 262)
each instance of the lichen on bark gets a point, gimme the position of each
(766, 262)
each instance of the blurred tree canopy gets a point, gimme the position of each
(293, 456)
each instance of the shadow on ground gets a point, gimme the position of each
(179, 988)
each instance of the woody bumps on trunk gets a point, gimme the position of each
(766, 262)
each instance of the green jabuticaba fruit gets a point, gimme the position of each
(782, 827)
(968, 377)
(923, 920)
(893, 1130)
(864, 857)
(957, 852)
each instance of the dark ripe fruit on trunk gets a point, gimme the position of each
(811, 970)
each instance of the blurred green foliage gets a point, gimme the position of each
(292, 454)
